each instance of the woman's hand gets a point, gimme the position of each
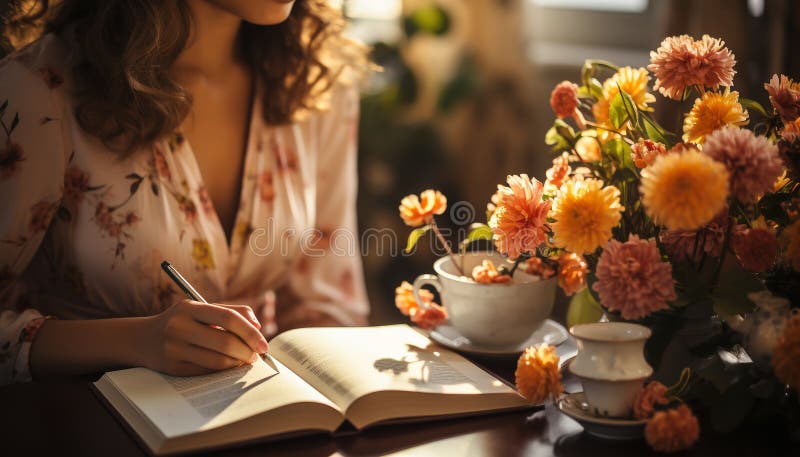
(186, 338)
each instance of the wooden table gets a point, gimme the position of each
(65, 418)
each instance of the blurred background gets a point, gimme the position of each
(463, 98)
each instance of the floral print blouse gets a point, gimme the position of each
(83, 229)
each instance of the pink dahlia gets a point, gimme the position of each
(756, 248)
(632, 278)
(681, 62)
(683, 244)
(753, 162)
(784, 94)
(644, 152)
(564, 99)
(519, 222)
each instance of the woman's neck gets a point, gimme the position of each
(211, 50)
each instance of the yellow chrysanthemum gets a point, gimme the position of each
(685, 190)
(537, 375)
(712, 111)
(584, 213)
(632, 81)
(605, 129)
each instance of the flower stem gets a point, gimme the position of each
(446, 245)
(520, 259)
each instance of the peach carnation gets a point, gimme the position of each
(429, 316)
(784, 94)
(564, 99)
(519, 222)
(486, 273)
(644, 152)
(538, 267)
(681, 62)
(654, 393)
(711, 112)
(416, 211)
(572, 271)
(672, 430)
(786, 354)
(684, 191)
(405, 301)
(632, 278)
(584, 213)
(537, 376)
(752, 161)
(756, 248)
(558, 173)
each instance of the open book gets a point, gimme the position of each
(325, 377)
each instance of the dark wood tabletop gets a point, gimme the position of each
(65, 417)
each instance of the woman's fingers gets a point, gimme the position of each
(232, 321)
(206, 358)
(246, 312)
(222, 342)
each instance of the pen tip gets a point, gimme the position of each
(164, 264)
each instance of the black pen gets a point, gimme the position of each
(193, 294)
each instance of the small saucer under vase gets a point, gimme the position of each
(575, 406)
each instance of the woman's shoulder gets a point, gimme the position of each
(39, 66)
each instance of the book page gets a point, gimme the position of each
(181, 405)
(347, 363)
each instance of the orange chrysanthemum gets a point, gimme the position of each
(486, 273)
(572, 270)
(672, 430)
(681, 62)
(519, 222)
(654, 393)
(584, 213)
(632, 81)
(416, 211)
(786, 354)
(429, 316)
(538, 377)
(605, 129)
(712, 111)
(784, 94)
(684, 191)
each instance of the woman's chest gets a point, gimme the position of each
(121, 216)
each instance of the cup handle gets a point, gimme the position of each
(426, 280)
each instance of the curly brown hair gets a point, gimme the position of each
(124, 49)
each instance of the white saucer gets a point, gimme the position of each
(551, 332)
(575, 406)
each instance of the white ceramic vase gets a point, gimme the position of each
(611, 365)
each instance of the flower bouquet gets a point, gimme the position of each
(693, 232)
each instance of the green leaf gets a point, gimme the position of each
(653, 131)
(620, 151)
(583, 309)
(730, 296)
(630, 107)
(480, 232)
(616, 111)
(560, 136)
(754, 105)
(414, 237)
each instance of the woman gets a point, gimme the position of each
(216, 134)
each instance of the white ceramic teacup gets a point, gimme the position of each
(611, 365)
(490, 315)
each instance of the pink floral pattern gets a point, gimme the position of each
(86, 221)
